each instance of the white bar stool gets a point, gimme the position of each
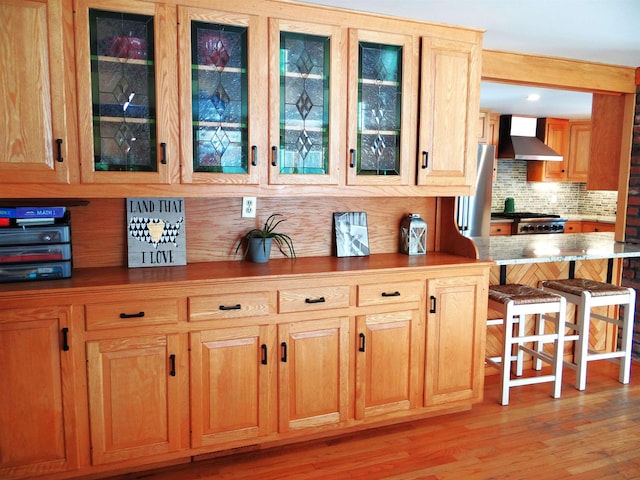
(515, 302)
(587, 294)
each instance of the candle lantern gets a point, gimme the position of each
(413, 235)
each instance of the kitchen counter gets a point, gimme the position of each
(509, 250)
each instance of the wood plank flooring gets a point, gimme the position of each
(591, 435)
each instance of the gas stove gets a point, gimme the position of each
(526, 223)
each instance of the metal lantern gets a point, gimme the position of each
(413, 235)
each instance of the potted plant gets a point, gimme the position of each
(257, 241)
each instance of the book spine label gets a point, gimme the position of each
(40, 212)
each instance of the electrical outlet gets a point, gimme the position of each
(249, 207)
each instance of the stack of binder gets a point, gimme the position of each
(35, 243)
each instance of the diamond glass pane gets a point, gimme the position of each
(379, 109)
(123, 92)
(220, 101)
(304, 104)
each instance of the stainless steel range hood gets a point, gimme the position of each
(521, 139)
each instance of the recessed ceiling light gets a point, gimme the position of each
(534, 97)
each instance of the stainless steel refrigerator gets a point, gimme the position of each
(473, 213)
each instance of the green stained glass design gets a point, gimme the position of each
(220, 98)
(304, 104)
(379, 109)
(123, 91)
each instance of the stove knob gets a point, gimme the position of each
(540, 227)
(545, 227)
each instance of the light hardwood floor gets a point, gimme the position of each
(591, 435)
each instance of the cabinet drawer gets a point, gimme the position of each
(500, 228)
(315, 298)
(213, 307)
(133, 313)
(392, 292)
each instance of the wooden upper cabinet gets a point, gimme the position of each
(381, 119)
(38, 120)
(306, 95)
(607, 121)
(554, 132)
(223, 96)
(449, 105)
(127, 91)
(579, 144)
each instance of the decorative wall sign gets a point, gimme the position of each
(155, 232)
(351, 234)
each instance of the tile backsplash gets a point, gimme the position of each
(547, 197)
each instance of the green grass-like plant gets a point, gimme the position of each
(283, 241)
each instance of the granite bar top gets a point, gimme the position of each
(536, 248)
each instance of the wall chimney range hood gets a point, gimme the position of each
(520, 138)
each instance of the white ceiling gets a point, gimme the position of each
(602, 31)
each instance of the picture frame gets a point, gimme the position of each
(351, 234)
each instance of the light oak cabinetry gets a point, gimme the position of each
(39, 434)
(449, 103)
(609, 114)
(136, 378)
(579, 144)
(589, 226)
(173, 371)
(128, 110)
(455, 340)
(555, 133)
(37, 99)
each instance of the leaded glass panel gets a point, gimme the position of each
(304, 104)
(379, 109)
(220, 115)
(123, 91)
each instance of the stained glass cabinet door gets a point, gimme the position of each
(382, 105)
(305, 122)
(222, 72)
(126, 92)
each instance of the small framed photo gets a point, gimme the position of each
(351, 234)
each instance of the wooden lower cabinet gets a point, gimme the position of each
(455, 339)
(182, 370)
(387, 357)
(38, 432)
(232, 384)
(313, 373)
(136, 396)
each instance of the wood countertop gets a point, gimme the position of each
(108, 278)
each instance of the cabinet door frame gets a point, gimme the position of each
(449, 106)
(373, 351)
(337, 126)
(455, 326)
(49, 152)
(169, 351)
(257, 92)
(296, 387)
(261, 340)
(49, 321)
(408, 121)
(166, 86)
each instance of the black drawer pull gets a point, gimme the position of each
(284, 352)
(59, 144)
(314, 300)
(362, 343)
(65, 339)
(433, 304)
(264, 354)
(163, 148)
(254, 155)
(274, 156)
(425, 160)
(132, 315)
(352, 158)
(393, 294)
(232, 307)
(172, 359)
